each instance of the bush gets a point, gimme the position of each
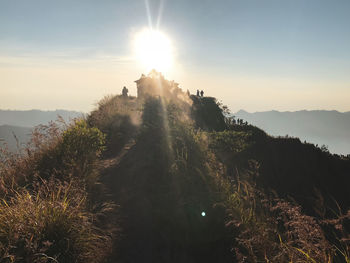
(75, 152)
(230, 141)
(81, 145)
(48, 212)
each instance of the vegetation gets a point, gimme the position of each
(118, 118)
(46, 213)
(171, 178)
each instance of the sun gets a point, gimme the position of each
(153, 49)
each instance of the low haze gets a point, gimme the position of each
(255, 55)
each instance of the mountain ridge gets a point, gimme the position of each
(31, 118)
(320, 127)
(288, 111)
(18, 124)
(174, 179)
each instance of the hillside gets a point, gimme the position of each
(166, 177)
(321, 127)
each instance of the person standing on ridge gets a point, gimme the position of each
(125, 92)
(202, 93)
(197, 93)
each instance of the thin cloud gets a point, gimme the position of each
(70, 58)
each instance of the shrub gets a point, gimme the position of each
(54, 150)
(74, 153)
(230, 141)
(81, 145)
(47, 213)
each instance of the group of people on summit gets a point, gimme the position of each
(200, 93)
(125, 92)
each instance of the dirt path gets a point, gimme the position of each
(155, 227)
(127, 177)
(111, 162)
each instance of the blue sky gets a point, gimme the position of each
(252, 54)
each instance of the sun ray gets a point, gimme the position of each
(149, 17)
(160, 13)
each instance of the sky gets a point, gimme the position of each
(254, 55)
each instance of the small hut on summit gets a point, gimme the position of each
(154, 84)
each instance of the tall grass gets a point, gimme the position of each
(47, 210)
(117, 117)
(270, 229)
(50, 224)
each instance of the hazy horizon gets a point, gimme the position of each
(252, 55)
(232, 112)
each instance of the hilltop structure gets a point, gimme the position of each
(154, 84)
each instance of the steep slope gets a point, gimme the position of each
(207, 115)
(286, 165)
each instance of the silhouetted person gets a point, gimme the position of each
(202, 93)
(197, 92)
(125, 92)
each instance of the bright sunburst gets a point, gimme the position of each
(153, 49)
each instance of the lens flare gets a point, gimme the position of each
(153, 49)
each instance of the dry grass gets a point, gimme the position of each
(47, 213)
(118, 118)
(272, 229)
(49, 224)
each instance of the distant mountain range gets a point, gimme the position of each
(32, 118)
(330, 128)
(14, 136)
(16, 126)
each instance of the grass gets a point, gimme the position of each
(50, 224)
(273, 230)
(187, 159)
(47, 210)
